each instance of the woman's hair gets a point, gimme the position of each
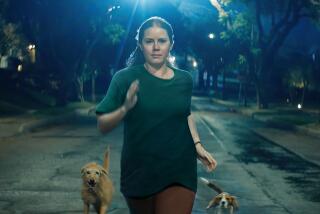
(136, 57)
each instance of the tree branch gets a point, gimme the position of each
(258, 19)
(282, 22)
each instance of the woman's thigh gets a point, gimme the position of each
(140, 205)
(175, 199)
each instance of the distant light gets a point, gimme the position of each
(172, 59)
(19, 68)
(299, 106)
(288, 100)
(195, 64)
(211, 36)
(31, 46)
(113, 8)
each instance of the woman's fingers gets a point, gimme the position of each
(135, 87)
(131, 97)
(208, 161)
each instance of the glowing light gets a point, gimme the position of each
(194, 64)
(32, 52)
(19, 68)
(211, 36)
(31, 46)
(172, 59)
(113, 8)
(299, 106)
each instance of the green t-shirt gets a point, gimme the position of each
(158, 149)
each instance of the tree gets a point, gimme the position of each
(268, 28)
(73, 40)
(12, 40)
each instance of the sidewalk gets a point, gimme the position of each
(34, 119)
(282, 128)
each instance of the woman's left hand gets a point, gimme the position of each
(206, 158)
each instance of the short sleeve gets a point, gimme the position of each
(112, 100)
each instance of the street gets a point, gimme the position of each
(41, 170)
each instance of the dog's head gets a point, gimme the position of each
(223, 200)
(92, 173)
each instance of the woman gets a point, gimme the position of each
(161, 143)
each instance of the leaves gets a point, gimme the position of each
(113, 33)
(11, 39)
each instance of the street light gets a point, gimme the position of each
(32, 51)
(194, 64)
(211, 36)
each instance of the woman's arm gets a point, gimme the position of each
(193, 129)
(204, 156)
(108, 121)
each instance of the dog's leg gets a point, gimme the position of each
(231, 210)
(103, 209)
(86, 208)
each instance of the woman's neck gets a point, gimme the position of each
(157, 69)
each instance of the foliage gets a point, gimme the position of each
(12, 40)
(257, 30)
(113, 33)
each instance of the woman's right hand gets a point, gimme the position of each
(131, 97)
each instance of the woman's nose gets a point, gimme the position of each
(156, 46)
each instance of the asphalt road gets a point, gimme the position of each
(40, 171)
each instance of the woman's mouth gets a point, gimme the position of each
(156, 55)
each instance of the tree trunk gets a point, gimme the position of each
(80, 87)
(93, 86)
(305, 86)
(223, 85)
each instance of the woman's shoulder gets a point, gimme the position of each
(184, 74)
(125, 74)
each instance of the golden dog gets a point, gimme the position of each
(97, 187)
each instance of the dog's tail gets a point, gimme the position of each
(211, 185)
(106, 159)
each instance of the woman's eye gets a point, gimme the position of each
(162, 40)
(97, 173)
(88, 172)
(149, 41)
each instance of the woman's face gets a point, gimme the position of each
(155, 45)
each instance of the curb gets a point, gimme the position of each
(314, 162)
(79, 115)
(284, 126)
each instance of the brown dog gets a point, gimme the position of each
(222, 201)
(97, 187)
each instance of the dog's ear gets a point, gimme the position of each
(211, 204)
(214, 202)
(103, 171)
(234, 202)
(82, 171)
